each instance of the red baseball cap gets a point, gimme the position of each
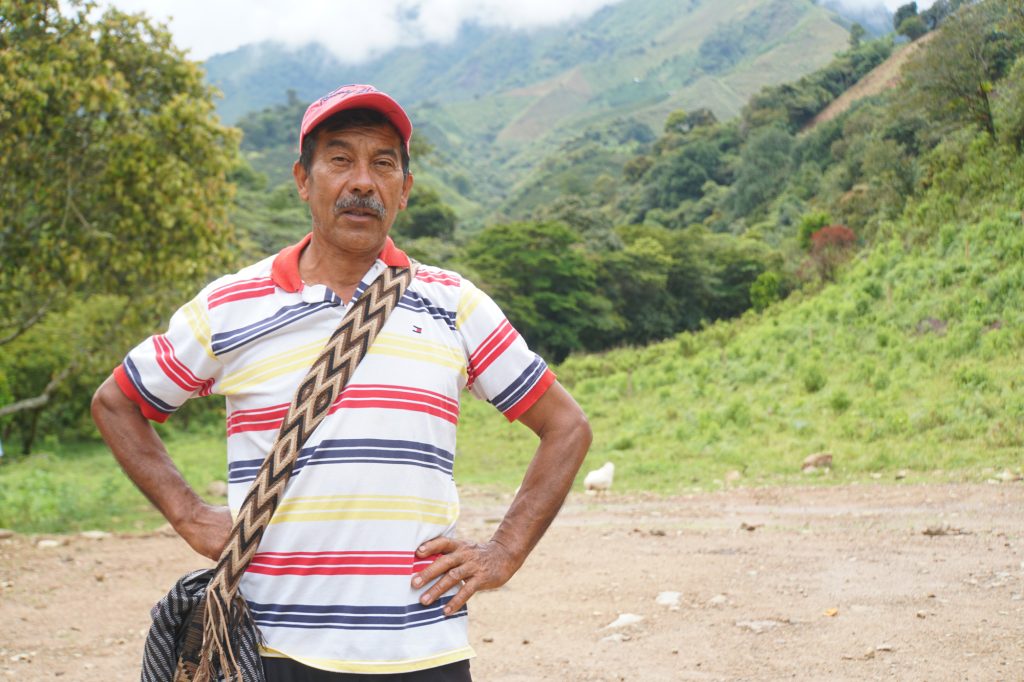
(356, 97)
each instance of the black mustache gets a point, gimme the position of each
(368, 203)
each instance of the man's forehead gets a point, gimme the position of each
(380, 135)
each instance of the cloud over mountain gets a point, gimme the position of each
(353, 30)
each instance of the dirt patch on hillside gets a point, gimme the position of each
(852, 583)
(883, 77)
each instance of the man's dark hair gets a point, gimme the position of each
(343, 120)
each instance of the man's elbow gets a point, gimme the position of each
(581, 435)
(106, 400)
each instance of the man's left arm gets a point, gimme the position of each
(564, 438)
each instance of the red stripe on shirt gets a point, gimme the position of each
(259, 419)
(338, 563)
(176, 370)
(250, 288)
(354, 397)
(527, 401)
(398, 398)
(128, 388)
(491, 349)
(438, 278)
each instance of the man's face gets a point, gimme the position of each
(355, 187)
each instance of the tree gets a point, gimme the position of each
(682, 122)
(763, 169)
(113, 173)
(545, 283)
(903, 13)
(676, 122)
(635, 279)
(426, 216)
(809, 224)
(857, 33)
(952, 81)
(830, 247)
(1008, 108)
(937, 13)
(766, 289)
(912, 27)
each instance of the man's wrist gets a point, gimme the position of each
(514, 556)
(186, 515)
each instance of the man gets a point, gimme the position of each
(359, 572)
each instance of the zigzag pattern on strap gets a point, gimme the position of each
(313, 399)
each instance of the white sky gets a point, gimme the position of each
(355, 29)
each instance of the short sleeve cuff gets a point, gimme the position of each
(534, 394)
(127, 387)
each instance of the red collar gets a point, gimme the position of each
(285, 270)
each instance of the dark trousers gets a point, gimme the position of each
(287, 670)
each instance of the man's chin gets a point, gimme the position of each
(356, 235)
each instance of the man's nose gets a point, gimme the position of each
(361, 180)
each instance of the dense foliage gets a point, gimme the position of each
(113, 197)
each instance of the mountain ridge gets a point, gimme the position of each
(495, 103)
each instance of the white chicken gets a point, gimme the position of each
(599, 480)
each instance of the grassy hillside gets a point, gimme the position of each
(911, 360)
(883, 77)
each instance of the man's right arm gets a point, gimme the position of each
(143, 456)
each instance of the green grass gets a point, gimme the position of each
(68, 488)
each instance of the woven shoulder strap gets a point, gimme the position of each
(209, 643)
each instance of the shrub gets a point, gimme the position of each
(765, 290)
(814, 379)
(840, 402)
(830, 247)
(809, 224)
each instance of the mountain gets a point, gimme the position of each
(495, 103)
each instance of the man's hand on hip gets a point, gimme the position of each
(564, 439)
(473, 566)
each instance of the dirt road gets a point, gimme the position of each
(910, 582)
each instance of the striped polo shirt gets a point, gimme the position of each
(330, 584)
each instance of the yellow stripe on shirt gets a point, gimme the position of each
(199, 323)
(470, 297)
(300, 358)
(365, 507)
(416, 349)
(407, 665)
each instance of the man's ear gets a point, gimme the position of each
(301, 180)
(406, 188)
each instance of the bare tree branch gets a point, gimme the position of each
(28, 323)
(41, 399)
